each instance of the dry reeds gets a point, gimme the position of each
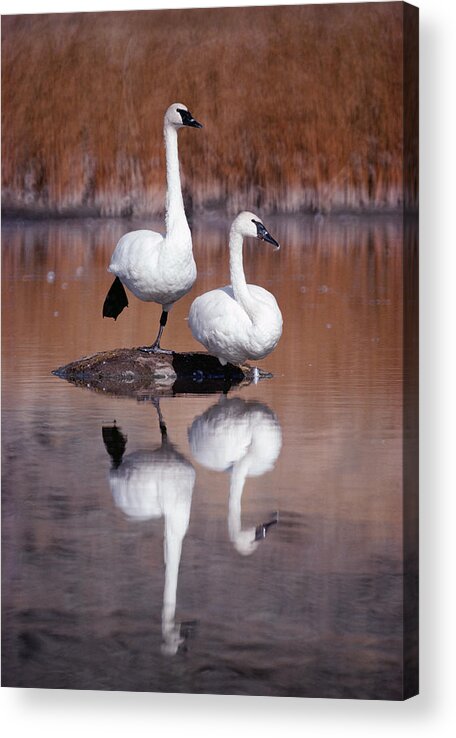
(302, 107)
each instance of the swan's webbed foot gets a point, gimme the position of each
(155, 349)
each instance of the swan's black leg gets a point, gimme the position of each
(155, 348)
(161, 422)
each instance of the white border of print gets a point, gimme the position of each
(45, 714)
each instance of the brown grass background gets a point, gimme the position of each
(302, 108)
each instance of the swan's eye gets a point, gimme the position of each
(185, 115)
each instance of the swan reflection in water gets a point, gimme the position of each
(243, 438)
(152, 484)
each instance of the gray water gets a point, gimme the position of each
(312, 458)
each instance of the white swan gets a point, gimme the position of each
(157, 268)
(241, 321)
(154, 484)
(244, 439)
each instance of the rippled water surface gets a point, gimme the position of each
(253, 544)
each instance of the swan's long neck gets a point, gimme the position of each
(175, 213)
(238, 282)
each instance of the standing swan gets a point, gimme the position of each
(241, 321)
(157, 268)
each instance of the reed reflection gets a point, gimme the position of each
(153, 484)
(244, 439)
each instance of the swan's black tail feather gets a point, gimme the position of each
(115, 443)
(116, 300)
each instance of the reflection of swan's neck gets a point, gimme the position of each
(237, 275)
(244, 541)
(176, 222)
(172, 554)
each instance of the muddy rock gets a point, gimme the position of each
(132, 372)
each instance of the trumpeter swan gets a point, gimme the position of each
(241, 321)
(154, 484)
(244, 439)
(157, 268)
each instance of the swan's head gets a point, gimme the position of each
(171, 640)
(245, 543)
(249, 224)
(178, 115)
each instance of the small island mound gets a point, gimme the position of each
(131, 372)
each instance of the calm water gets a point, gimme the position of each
(129, 555)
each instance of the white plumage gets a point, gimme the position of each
(244, 439)
(153, 484)
(157, 268)
(240, 321)
(152, 268)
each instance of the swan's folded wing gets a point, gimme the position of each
(132, 249)
(216, 319)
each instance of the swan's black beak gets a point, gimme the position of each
(261, 531)
(193, 123)
(264, 235)
(188, 119)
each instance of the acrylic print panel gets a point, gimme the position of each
(173, 522)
